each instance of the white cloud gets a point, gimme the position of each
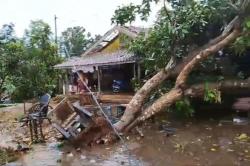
(94, 15)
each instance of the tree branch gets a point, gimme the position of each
(226, 87)
(182, 77)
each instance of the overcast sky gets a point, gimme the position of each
(93, 15)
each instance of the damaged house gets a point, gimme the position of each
(107, 67)
(107, 70)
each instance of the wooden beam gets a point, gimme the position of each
(99, 79)
(134, 70)
(138, 71)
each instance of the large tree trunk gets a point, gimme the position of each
(176, 93)
(135, 105)
(139, 98)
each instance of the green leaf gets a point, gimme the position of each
(248, 24)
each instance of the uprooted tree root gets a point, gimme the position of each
(99, 133)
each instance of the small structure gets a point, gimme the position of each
(106, 66)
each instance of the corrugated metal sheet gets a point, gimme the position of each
(99, 59)
(130, 31)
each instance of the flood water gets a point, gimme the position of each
(193, 142)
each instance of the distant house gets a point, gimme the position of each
(106, 62)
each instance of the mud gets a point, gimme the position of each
(206, 142)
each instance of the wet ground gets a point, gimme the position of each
(206, 142)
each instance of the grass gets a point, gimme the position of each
(7, 105)
(7, 155)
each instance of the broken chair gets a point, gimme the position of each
(35, 116)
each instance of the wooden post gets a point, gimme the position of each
(99, 79)
(24, 108)
(134, 70)
(66, 83)
(64, 87)
(138, 71)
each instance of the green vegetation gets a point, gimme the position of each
(7, 155)
(183, 27)
(26, 64)
(76, 40)
(183, 108)
(212, 95)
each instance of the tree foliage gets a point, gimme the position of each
(76, 40)
(176, 32)
(11, 51)
(37, 73)
(27, 64)
(180, 33)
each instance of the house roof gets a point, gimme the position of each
(93, 56)
(99, 59)
(130, 31)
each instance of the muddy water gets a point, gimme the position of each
(204, 143)
(44, 155)
(199, 143)
(193, 143)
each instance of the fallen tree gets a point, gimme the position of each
(170, 71)
(134, 115)
(177, 92)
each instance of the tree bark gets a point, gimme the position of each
(139, 98)
(182, 77)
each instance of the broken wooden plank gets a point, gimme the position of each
(116, 98)
(87, 99)
(69, 120)
(82, 109)
(61, 130)
(62, 111)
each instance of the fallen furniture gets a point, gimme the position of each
(70, 119)
(74, 119)
(35, 116)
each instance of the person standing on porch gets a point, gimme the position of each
(82, 82)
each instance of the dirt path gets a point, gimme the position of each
(193, 143)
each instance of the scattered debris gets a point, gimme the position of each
(179, 147)
(240, 120)
(230, 150)
(70, 119)
(213, 149)
(83, 157)
(243, 137)
(139, 131)
(70, 155)
(7, 155)
(92, 161)
(167, 130)
(21, 148)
